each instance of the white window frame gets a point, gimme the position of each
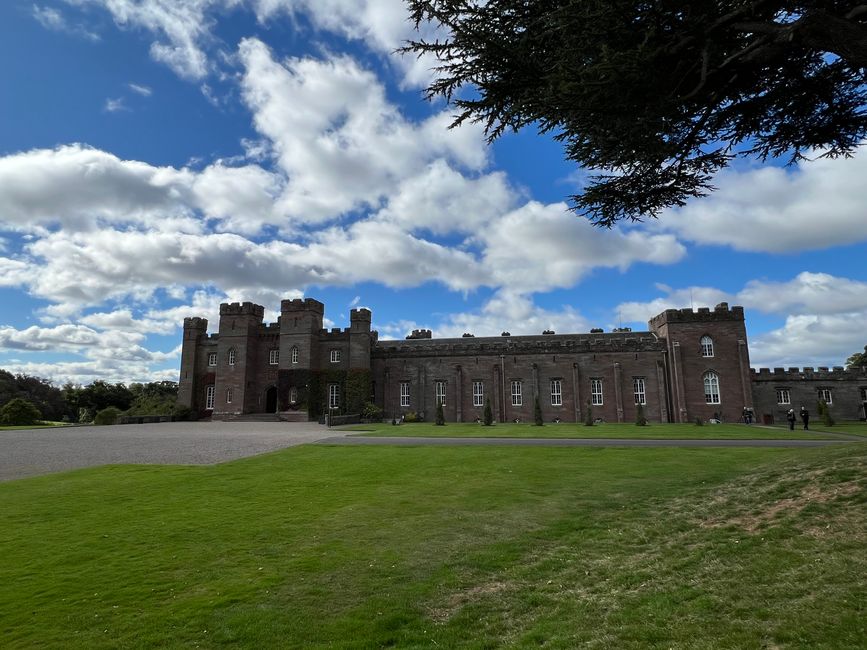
(230, 393)
(639, 390)
(335, 356)
(274, 357)
(232, 356)
(706, 344)
(711, 388)
(478, 393)
(517, 393)
(212, 359)
(404, 393)
(596, 395)
(210, 394)
(293, 395)
(825, 394)
(293, 354)
(556, 392)
(333, 396)
(784, 396)
(440, 393)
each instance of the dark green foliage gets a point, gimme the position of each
(640, 420)
(154, 398)
(824, 412)
(108, 415)
(537, 412)
(655, 97)
(588, 415)
(357, 390)
(488, 415)
(699, 422)
(100, 395)
(411, 416)
(371, 411)
(858, 359)
(440, 417)
(182, 413)
(39, 392)
(19, 412)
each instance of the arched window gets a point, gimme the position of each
(706, 346)
(232, 357)
(711, 388)
(294, 354)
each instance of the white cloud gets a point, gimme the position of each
(139, 89)
(810, 340)
(115, 105)
(52, 19)
(813, 205)
(539, 247)
(817, 293)
(342, 145)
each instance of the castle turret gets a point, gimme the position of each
(195, 330)
(237, 358)
(708, 361)
(300, 324)
(359, 338)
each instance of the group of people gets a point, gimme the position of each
(805, 418)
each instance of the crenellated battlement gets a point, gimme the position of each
(420, 334)
(242, 309)
(196, 323)
(722, 312)
(302, 304)
(808, 373)
(361, 313)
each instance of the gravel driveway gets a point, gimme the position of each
(42, 451)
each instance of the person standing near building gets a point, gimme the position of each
(790, 416)
(805, 417)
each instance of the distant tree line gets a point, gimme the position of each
(77, 403)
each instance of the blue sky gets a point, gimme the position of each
(159, 157)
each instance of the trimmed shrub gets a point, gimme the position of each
(371, 411)
(108, 415)
(182, 412)
(825, 413)
(489, 414)
(410, 416)
(537, 413)
(441, 418)
(699, 422)
(588, 415)
(19, 412)
(640, 420)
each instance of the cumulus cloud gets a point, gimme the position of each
(342, 145)
(809, 206)
(539, 247)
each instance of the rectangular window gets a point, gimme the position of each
(864, 394)
(440, 393)
(517, 397)
(478, 393)
(596, 392)
(638, 391)
(556, 393)
(210, 391)
(294, 355)
(783, 396)
(825, 394)
(212, 359)
(274, 357)
(404, 393)
(335, 356)
(333, 396)
(232, 357)
(229, 395)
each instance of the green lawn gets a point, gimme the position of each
(572, 430)
(366, 547)
(852, 428)
(42, 425)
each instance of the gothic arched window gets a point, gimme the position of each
(706, 346)
(711, 388)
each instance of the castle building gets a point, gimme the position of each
(686, 365)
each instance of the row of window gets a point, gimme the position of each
(273, 357)
(784, 396)
(517, 392)
(211, 392)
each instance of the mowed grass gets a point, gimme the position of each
(573, 430)
(369, 547)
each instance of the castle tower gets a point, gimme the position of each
(300, 324)
(359, 338)
(707, 362)
(237, 358)
(195, 330)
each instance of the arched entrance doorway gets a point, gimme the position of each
(271, 400)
